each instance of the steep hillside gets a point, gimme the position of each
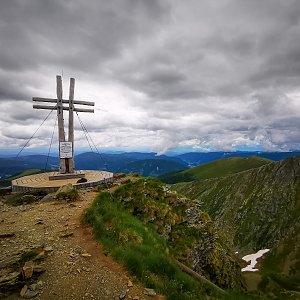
(256, 206)
(281, 267)
(258, 209)
(188, 233)
(217, 168)
(152, 167)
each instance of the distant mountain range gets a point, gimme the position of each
(193, 159)
(153, 167)
(147, 164)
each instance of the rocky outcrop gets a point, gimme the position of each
(191, 234)
(210, 255)
(21, 271)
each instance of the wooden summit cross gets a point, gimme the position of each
(66, 148)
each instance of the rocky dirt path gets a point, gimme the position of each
(76, 267)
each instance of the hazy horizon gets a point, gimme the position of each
(14, 152)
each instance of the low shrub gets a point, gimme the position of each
(16, 199)
(119, 175)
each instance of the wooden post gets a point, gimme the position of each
(60, 120)
(201, 278)
(71, 123)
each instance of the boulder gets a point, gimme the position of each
(9, 279)
(28, 269)
(20, 268)
(31, 291)
(67, 192)
(48, 198)
(65, 189)
(81, 180)
(149, 292)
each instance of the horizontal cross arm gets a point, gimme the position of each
(48, 100)
(37, 106)
(64, 108)
(88, 110)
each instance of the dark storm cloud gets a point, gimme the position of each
(12, 90)
(250, 47)
(76, 34)
(209, 74)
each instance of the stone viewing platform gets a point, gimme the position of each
(45, 182)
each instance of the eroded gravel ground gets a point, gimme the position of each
(76, 265)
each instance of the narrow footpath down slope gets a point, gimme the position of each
(76, 265)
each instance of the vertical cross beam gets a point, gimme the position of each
(71, 123)
(60, 120)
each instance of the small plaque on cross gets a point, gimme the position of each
(65, 150)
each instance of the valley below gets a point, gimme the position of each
(258, 209)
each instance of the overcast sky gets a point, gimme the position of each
(201, 75)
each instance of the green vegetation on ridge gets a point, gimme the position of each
(140, 249)
(146, 226)
(216, 169)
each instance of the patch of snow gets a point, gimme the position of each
(253, 260)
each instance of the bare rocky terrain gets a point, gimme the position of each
(47, 252)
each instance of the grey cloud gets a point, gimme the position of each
(11, 91)
(216, 74)
(71, 34)
(273, 103)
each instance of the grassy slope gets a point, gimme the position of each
(140, 249)
(216, 169)
(144, 226)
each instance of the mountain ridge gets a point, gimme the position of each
(216, 168)
(196, 158)
(268, 182)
